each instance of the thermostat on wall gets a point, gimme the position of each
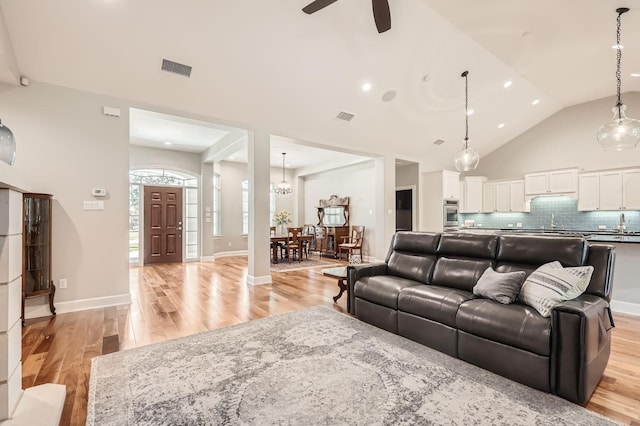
(99, 192)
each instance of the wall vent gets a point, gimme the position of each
(176, 68)
(345, 116)
(438, 141)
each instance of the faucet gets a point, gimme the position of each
(622, 223)
(553, 221)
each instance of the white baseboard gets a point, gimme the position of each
(38, 311)
(265, 279)
(207, 258)
(625, 307)
(230, 253)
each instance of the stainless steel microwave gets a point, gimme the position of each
(450, 216)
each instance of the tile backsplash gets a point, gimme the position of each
(565, 212)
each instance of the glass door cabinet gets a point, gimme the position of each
(36, 259)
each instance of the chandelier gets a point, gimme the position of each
(621, 132)
(283, 188)
(467, 158)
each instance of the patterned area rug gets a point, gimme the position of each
(313, 366)
(295, 265)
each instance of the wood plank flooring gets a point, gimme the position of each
(177, 300)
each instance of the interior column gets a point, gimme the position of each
(385, 204)
(259, 178)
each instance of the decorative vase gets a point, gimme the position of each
(282, 229)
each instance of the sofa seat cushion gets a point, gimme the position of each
(515, 325)
(433, 302)
(382, 289)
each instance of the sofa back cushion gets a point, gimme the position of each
(461, 273)
(601, 257)
(413, 255)
(527, 252)
(468, 245)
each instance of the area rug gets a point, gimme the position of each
(313, 366)
(295, 265)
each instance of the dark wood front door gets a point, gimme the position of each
(162, 224)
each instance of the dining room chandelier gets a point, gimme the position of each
(283, 188)
(467, 158)
(621, 132)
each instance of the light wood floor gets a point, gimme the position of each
(176, 300)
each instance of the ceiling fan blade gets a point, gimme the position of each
(316, 5)
(382, 15)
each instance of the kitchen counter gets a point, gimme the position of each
(596, 236)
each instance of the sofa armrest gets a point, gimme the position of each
(580, 346)
(355, 272)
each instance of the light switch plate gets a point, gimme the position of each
(93, 205)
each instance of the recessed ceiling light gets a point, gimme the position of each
(500, 126)
(168, 143)
(231, 157)
(535, 102)
(508, 84)
(617, 46)
(287, 165)
(366, 87)
(635, 74)
(470, 112)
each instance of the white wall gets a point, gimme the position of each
(66, 146)
(566, 139)
(142, 156)
(356, 182)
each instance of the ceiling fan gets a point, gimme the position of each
(381, 12)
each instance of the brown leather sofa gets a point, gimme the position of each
(423, 291)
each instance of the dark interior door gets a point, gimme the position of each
(162, 224)
(404, 210)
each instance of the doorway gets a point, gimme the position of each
(404, 209)
(162, 224)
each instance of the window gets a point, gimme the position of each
(272, 203)
(245, 207)
(216, 205)
(134, 222)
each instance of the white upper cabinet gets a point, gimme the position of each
(631, 189)
(450, 185)
(589, 192)
(471, 200)
(502, 197)
(488, 197)
(516, 196)
(610, 191)
(556, 182)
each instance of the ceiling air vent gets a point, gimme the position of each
(345, 116)
(438, 141)
(176, 68)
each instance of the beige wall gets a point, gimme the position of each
(409, 175)
(67, 146)
(142, 156)
(566, 139)
(356, 182)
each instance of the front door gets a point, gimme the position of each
(162, 224)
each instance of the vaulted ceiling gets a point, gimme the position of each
(266, 64)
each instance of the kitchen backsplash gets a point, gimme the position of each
(566, 216)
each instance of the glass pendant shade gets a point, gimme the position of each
(7, 145)
(466, 159)
(619, 133)
(283, 188)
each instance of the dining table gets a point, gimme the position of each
(276, 239)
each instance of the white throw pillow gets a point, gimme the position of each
(551, 284)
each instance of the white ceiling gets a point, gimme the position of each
(265, 64)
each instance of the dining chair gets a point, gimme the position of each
(352, 242)
(309, 244)
(293, 245)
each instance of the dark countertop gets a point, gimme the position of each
(598, 236)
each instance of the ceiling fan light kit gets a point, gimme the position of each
(381, 12)
(621, 132)
(283, 188)
(467, 158)
(7, 145)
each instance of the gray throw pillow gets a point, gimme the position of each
(502, 287)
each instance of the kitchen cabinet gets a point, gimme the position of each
(609, 190)
(471, 197)
(436, 188)
(450, 185)
(555, 182)
(501, 197)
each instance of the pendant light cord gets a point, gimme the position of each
(620, 11)
(283, 154)
(466, 109)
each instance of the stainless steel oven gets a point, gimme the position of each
(450, 216)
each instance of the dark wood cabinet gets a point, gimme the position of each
(36, 243)
(333, 224)
(328, 238)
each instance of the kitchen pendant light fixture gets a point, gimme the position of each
(621, 132)
(7, 145)
(467, 158)
(283, 187)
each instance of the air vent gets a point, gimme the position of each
(176, 68)
(438, 141)
(345, 116)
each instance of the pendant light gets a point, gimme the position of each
(621, 132)
(467, 158)
(7, 145)
(283, 187)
